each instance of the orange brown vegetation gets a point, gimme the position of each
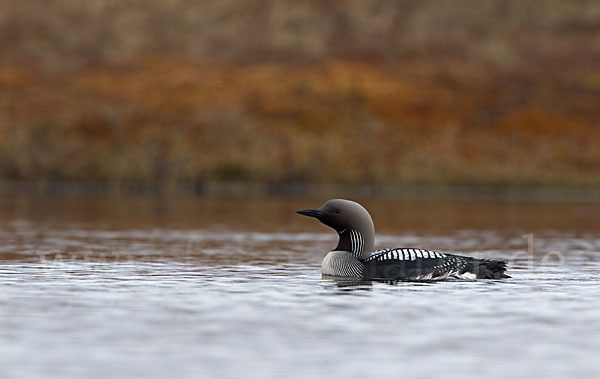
(162, 121)
(110, 92)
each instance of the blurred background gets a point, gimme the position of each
(409, 107)
(182, 95)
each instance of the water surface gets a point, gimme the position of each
(205, 287)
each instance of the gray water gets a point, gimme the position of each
(102, 287)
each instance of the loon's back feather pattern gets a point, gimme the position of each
(419, 264)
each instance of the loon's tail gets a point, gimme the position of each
(489, 269)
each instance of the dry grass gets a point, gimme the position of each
(277, 92)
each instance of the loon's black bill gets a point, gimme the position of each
(311, 213)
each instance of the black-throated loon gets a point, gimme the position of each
(354, 255)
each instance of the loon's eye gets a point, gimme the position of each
(337, 211)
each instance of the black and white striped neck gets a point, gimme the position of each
(351, 241)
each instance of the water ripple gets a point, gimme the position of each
(237, 303)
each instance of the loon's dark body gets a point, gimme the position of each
(353, 258)
(419, 264)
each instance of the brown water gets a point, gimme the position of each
(204, 287)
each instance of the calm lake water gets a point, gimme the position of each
(187, 287)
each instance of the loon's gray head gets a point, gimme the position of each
(352, 222)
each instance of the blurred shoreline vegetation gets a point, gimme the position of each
(491, 93)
